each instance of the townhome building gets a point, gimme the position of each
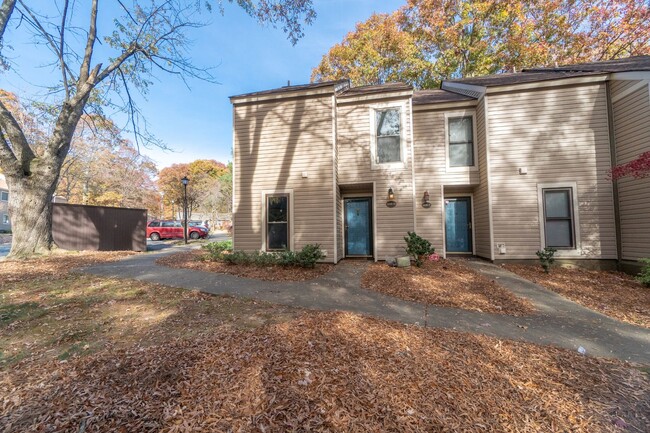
(497, 167)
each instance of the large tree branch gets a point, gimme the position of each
(8, 161)
(90, 44)
(20, 150)
(6, 9)
(64, 16)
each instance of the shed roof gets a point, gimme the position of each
(628, 64)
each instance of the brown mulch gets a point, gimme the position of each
(614, 294)
(193, 260)
(329, 372)
(447, 283)
(57, 264)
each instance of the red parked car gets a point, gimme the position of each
(167, 229)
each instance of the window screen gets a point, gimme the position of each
(461, 141)
(558, 218)
(388, 135)
(277, 222)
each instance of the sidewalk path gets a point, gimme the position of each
(559, 322)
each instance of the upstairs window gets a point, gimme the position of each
(4, 196)
(559, 224)
(461, 141)
(387, 136)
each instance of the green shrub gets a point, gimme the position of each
(306, 258)
(417, 247)
(216, 250)
(309, 255)
(546, 258)
(644, 275)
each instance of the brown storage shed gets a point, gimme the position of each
(99, 228)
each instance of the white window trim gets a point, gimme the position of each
(463, 113)
(374, 165)
(577, 251)
(292, 223)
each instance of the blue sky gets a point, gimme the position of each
(197, 122)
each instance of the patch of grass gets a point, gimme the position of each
(14, 312)
(55, 314)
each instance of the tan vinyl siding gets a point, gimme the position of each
(431, 171)
(481, 196)
(275, 143)
(618, 86)
(353, 136)
(559, 135)
(632, 132)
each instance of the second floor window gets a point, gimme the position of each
(4, 196)
(461, 141)
(387, 133)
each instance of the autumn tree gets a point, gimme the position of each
(145, 36)
(204, 175)
(427, 41)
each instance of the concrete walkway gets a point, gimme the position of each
(559, 322)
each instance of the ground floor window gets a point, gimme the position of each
(277, 222)
(559, 219)
(5, 219)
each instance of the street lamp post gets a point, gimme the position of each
(185, 181)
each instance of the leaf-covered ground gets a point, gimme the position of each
(614, 294)
(446, 283)
(84, 353)
(49, 312)
(196, 260)
(327, 372)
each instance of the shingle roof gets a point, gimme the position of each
(531, 75)
(634, 63)
(519, 77)
(437, 96)
(379, 88)
(295, 88)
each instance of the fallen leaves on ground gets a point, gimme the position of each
(447, 283)
(192, 260)
(57, 264)
(328, 372)
(614, 294)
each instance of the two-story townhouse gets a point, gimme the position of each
(5, 223)
(498, 166)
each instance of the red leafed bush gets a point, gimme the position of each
(637, 168)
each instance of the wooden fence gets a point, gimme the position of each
(99, 228)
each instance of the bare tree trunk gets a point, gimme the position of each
(30, 206)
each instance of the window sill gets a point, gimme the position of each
(388, 166)
(462, 169)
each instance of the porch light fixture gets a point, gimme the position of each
(391, 198)
(425, 200)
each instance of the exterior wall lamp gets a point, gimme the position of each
(391, 198)
(425, 200)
